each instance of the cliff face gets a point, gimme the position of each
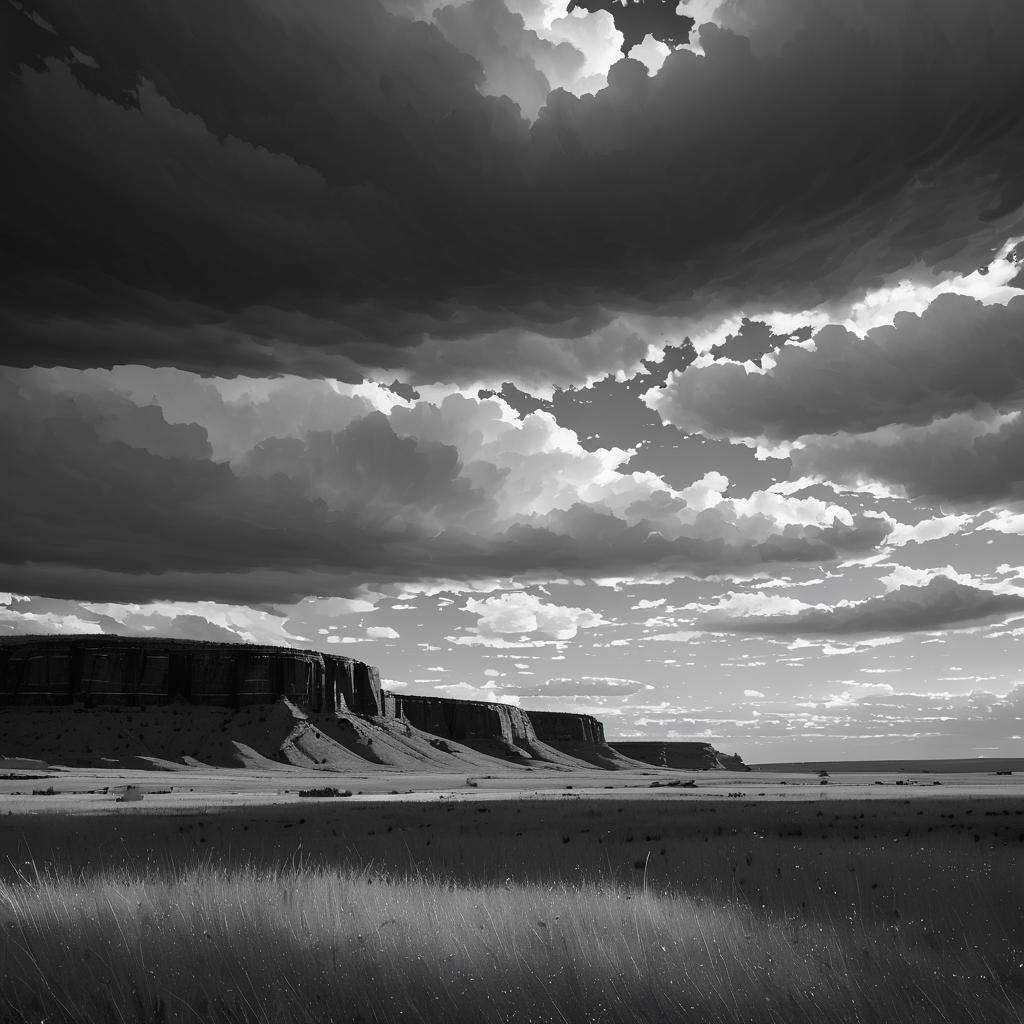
(502, 730)
(690, 756)
(560, 727)
(100, 670)
(95, 698)
(497, 729)
(580, 737)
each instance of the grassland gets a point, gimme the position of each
(559, 909)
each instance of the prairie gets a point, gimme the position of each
(559, 908)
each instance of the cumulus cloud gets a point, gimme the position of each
(381, 633)
(282, 211)
(927, 530)
(975, 459)
(135, 505)
(1005, 521)
(187, 620)
(521, 613)
(517, 61)
(466, 691)
(956, 356)
(928, 407)
(941, 603)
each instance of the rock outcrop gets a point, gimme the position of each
(580, 737)
(561, 727)
(500, 730)
(136, 701)
(98, 670)
(687, 756)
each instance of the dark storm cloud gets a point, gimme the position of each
(108, 500)
(751, 343)
(316, 188)
(942, 603)
(956, 356)
(966, 459)
(80, 498)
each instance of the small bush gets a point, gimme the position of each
(324, 791)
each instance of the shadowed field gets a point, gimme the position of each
(559, 908)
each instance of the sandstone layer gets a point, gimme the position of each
(500, 730)
(580, 737)
(127, 701)
(96, 670)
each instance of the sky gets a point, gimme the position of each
(681, 387)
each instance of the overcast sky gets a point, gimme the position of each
(683, 389)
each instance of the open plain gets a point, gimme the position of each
(222, 895)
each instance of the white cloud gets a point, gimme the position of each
(940, 603)
(752, 603)
(582, 686)
(500, 643)
(1005, 521)
(683, 636)
(520, 613)
(466, 484)
(466, 691)
(927, 529)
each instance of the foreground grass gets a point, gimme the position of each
(558, 910)
(232, 943)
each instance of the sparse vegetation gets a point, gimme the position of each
(325, 791)
(720, 911)
(295, 944)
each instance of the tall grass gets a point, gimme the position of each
(306, 943)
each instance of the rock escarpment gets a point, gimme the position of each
(496, 729)
(500, 730)
(99, 670)
(132, 701)
(106, 700)
(687, 756)
(560, 727)
(580, 737)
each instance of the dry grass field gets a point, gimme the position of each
(869, 903)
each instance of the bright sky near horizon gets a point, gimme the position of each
(683, 390)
